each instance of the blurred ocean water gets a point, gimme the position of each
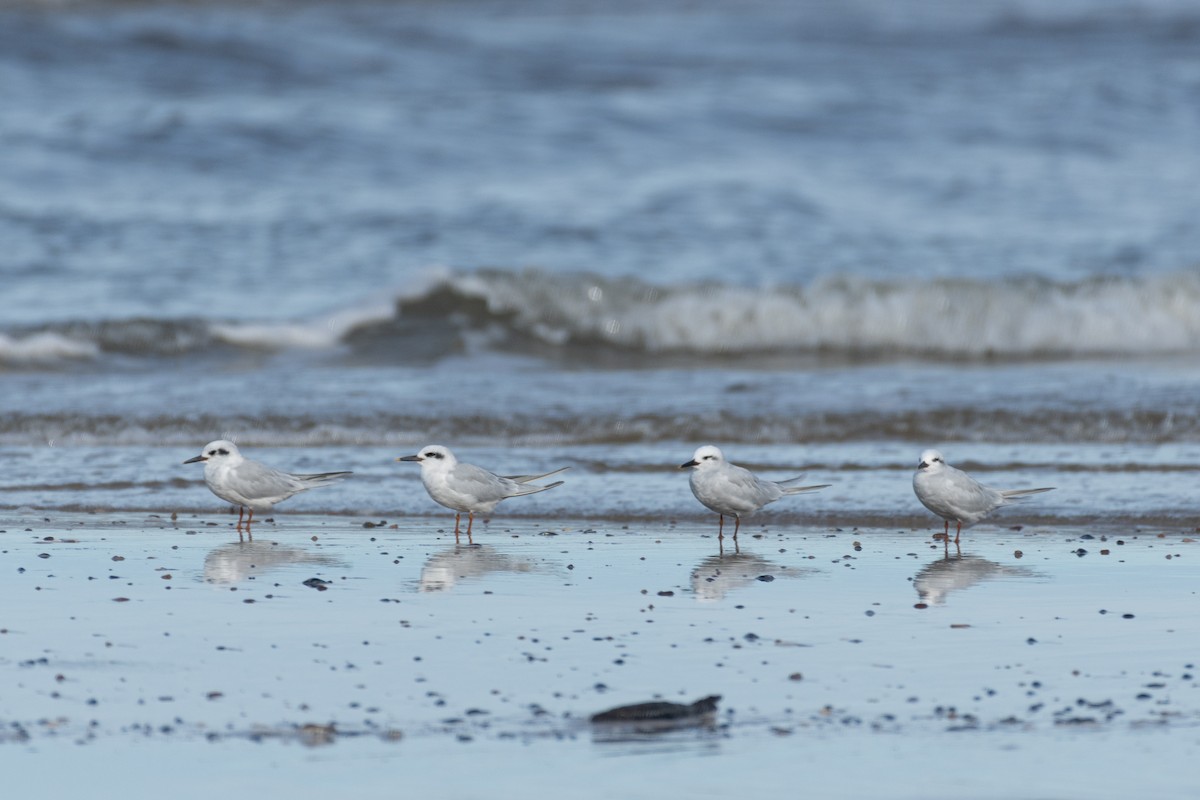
(603, 232)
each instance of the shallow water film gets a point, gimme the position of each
(823, 236)
(1026, 663)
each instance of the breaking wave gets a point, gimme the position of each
(955, 319)
(540, 312)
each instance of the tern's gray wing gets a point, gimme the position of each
(964, 497)
(484, 486)
(256, 481)
(735, 490)
(760, 490)
(528, 478)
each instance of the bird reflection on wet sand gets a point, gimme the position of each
(717, 576)
(443, 570)
(952, 573)
(236, 561)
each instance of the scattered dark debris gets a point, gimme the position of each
(1075, 721)
(310, 734)
(317, 583)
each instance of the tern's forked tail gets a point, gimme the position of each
(528, 478)
(532, 489)
(803, 489)
(1016, 494)
(322, 478)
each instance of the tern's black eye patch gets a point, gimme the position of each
(222, 451)
(432, 454)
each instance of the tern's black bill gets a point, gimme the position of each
(692, 463)
(410, 458)
(194, 459)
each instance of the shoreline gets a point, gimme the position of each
(383, 643)
(775, 521)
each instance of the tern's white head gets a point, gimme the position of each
(705, 457)
(222, 451)
(433, 456)
(931, 461)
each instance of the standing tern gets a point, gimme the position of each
(957, 497)
(733, 491)
(467, 488)
(252, 485)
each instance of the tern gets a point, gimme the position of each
(733, 491)
(252, 485)
(467, 488)
(957, 497)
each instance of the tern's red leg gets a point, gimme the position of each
(470, 522)
(720, 527)
(956, 533)
(241, 511)
(737, 524)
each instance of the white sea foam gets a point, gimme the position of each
(43, 347)
(846, 316)
(324, 331)
(1015, 318)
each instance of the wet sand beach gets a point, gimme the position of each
(821, 236)
(339, 654)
